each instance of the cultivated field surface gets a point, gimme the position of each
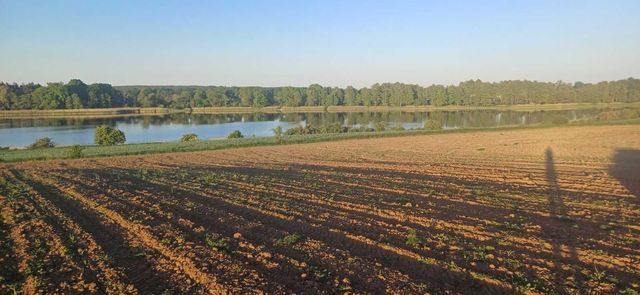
(552, 210)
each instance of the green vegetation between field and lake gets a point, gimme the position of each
(307, 134)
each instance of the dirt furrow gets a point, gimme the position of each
(393, 256)
(180, 226)
(83, 248)
(145, 267)
(43, 260)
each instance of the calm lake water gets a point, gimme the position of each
(66, 131)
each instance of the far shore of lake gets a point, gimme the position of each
(116, 112)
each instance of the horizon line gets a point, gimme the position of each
(332, 86)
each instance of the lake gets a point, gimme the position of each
(160, 128)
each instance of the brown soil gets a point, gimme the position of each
(525, 211)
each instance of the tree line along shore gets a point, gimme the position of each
(124, 111)
(75, 95)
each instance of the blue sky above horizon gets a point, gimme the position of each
(334, 43)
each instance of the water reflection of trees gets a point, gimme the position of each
(447, 119)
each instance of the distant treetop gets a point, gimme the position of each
(75, 95)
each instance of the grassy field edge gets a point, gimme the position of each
(92, 151)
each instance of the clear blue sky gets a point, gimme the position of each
(334, 43)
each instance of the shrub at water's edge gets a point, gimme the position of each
(189, 137)
(75, 151)
(235, 134)
(45, 142)
(107, 135)
(432, 125)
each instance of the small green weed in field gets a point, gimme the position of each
(144, 173)
(288, 240)
(511, 226)
(443, 240)
(479, 254)
(412, 239)
(608, 226)
(597, 278)
(428, 260)
(216, 242)
(520, 281)
(512, 264)
(190, 204)
(320, 274)
(420, 286)
(451, 265)
(515, 223)
(36, 265)
(211, 179)
(383, 239)
(14, 191)
(402, 200)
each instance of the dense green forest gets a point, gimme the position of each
(76, 94)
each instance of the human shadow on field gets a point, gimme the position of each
(626, 169)
(371, 182)
(556, 204)
(566, 237)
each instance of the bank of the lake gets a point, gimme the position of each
(90, 151)
(110, 112)
(167, 127)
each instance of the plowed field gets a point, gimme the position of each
(523, 211)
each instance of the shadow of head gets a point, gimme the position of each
(550, 169)
(626, 168)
